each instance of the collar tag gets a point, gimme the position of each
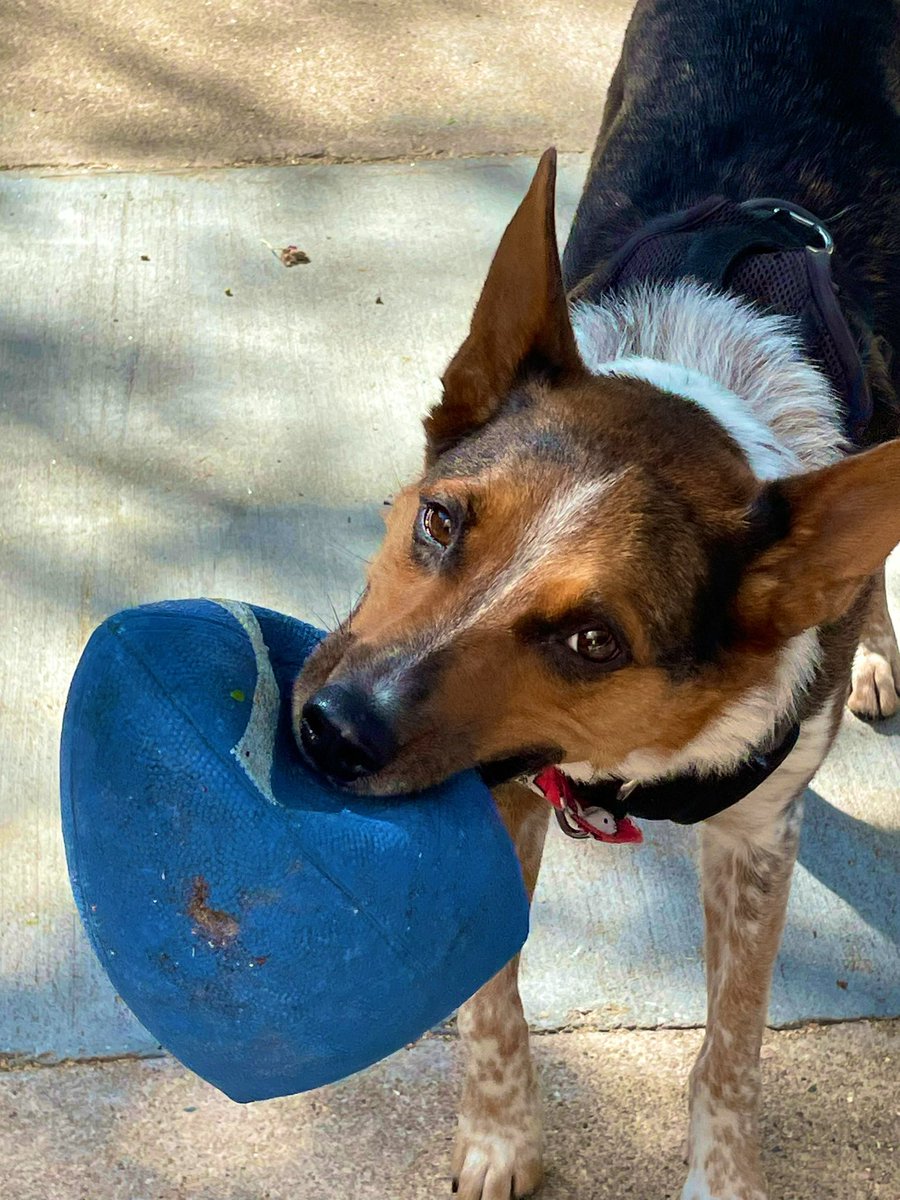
(577, 821)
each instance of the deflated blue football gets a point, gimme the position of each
(273, 933)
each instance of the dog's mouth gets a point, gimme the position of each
(524, 765)
(420, 767)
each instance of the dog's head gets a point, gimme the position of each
(588, 570)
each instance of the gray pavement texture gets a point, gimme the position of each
(167, 84)
(614, 1104)
(183, 415)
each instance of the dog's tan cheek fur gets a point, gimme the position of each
(498, 696)
(507, 701)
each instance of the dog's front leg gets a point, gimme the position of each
(745, 890)
(747, 856)
(499, 1142)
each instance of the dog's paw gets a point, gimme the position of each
(876, 682)
(497, 1162)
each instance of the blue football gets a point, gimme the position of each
(272, 932)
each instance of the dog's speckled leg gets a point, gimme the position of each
(745, 892)
(876, 665)
(748, 855)
(499, 1141)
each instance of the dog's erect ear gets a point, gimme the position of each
(844, 520)
(520, 325)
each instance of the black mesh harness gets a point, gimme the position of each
(772, 253)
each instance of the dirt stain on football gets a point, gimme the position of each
(215, 926)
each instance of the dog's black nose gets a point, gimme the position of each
(344, 735)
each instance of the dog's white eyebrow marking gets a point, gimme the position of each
(551, 527)
(768, 458)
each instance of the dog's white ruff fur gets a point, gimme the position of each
(755, 381)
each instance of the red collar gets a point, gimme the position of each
(579, 821)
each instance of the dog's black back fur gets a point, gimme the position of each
(798, 99)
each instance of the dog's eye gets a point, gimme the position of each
(599, 645)
(436, 524)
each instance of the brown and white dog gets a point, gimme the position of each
(641, 545)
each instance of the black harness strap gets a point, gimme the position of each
(772, 254)
(713, 254)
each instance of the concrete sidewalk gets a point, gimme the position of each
(184, 416)
(614, 1117)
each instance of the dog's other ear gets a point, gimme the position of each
(843, 522)
(520, 325)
